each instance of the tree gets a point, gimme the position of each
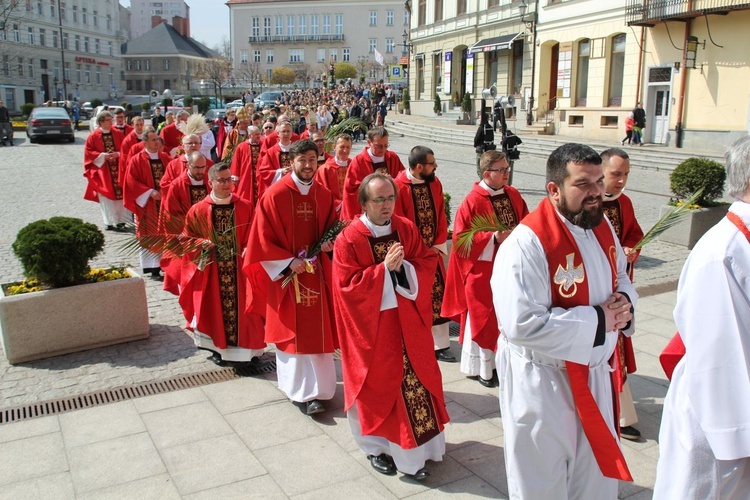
(249, 74)
(217, 70)
(12, 52)
(303, 72)
(283, 76)
(344, 70)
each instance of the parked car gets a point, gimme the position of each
(237, 103)
(267, 98)
(111, 109)
(52, 122)
(86, 109)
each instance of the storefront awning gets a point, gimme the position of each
(503, 42)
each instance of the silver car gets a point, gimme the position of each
(51, 123)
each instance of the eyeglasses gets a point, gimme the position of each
(191, 143)
(223, 180)
(380, 200)
(501, 170)
(431, 163)
(319, 140)
(267, 128)
(106, 119)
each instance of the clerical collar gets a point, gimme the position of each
(377, 231)
(413, 179)
(322, 157)
(193, 180)
(153, 156)
(285, 149)
(612, 197)
(490, 190)
(375, 159)
(221, 201)
(344, 163)
(140, 137)
(304, 187)
(241, 132)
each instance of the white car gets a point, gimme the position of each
(92, 121)
(237, 103)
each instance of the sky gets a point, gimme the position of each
(209, 20)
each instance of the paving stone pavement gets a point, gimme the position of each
(154, 446)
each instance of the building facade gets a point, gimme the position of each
(307, 35)
(161, 59)
(60, 54)
(141, 12)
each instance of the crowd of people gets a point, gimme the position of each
(284, 242)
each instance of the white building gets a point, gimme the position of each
(141, 12)
(37, 63)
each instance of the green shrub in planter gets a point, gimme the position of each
(438, 106)
(447, 205)
(26, 108)
(146, 106)
(696, 173)
(406, 99)
(96, 102)
(188, 101)
(466, 103)
(57, 251)
(204, 103)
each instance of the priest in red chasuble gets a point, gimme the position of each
(333, 171)
(177, 166)
(277, 161)
(214, 297)
(562, 295)
(188, 189)
(420, 199)
(374, 158)
(142, 196)
(245, 165)
(290, 218)
(133, 138)
(101, 166)
(619, 210)
(468, 298)
(382, 288)
(172, 133)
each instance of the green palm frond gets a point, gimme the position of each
(480, 223)
(669, 220)
(329, 235)
(344, 126)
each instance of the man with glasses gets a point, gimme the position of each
(393, 394)
(176, 167)
(245, 164)
(214, 296)
(290, 218)
(374, 158)
(276, 162)
(320, 140)
(130, 140)
(468, 297)
(420, 199)
(121, 123)
(101, 165)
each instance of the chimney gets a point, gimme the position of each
(155, 21)
(181, 25)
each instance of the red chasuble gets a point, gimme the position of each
(287, 223)
(563, 254)
(172, 137)
(360, 167)
(175, 168)
(130, 140)
(622, 217)
(144, 174)
(245, 165)
(467, 288)
(124, 130)
(217, 295)
(221, 135)
(423, 204)
(387, 357)
(174, 207)
(273, 160)
(272, 139)
(104, 180)
(331, 175)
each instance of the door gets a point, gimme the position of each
(554, 56)
(660, 104)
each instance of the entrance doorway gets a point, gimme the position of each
(659, 103)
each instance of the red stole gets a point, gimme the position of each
(569, 274)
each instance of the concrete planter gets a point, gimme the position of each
(63, 320)
(692, 226)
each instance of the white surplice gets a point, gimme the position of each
(547, 454)
(704, 441)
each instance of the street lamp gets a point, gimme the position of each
(530, 25)
(57, 91)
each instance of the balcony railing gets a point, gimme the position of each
(651, 12)
(296, 38)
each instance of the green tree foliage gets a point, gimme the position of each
(438, 106)
(96, 102)
(283, 76)
(344, 70)
(26, 108)
(204, 104)
(57, 251)
(696, 173)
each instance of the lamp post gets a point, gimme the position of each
(55, 81)
(530, 25)
(408, 48)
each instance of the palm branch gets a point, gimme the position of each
(329, 235)
(668, 220)
(343, 127)
(480, 223)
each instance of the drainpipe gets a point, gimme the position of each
(529, 115)
(679, 132)
(640, 66)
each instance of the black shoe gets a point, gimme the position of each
(383, 464)
(492, 382)
(314, 406)
(216, 358)
(420, 475)
(121, 227)
(445, 355)
(630, 433)
(112, 228)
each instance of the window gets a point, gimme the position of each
(78, 73)
(290, 25)
(321, 55)
(138, 65)
(66, 72)
(138, 85)
(167, 84)
(95, 20)
(346, 55)
(75, 13)
(98, 76)
(31, 35)
(267, 26)
(422, 13)
(42, 37)
(20, 66)
(373, 18)
(339, 19)
(256, 56)
(326, 24)
(166, 64)
(85, 44)
(373, 45)
(109, 22)
(334, 55)
(62, 13)
(88, 74)
(97, 46)
(297, 55)
(269, 56)
(582, 74)
(243, 56)
(389, 17)
(279, 25)
(84, 16)
(65, 43)
(302, 24)
(111, 51)
(314, 24)
(6, 65)
(39, 8)
(77, 43)
(389, 45)
(147, 85)
(112, 77)
(406, 17)
(438, 10)
(616, 70)
(256, 26)
(129, 65)
(16, 34)
(517, 67)
(43, 63)
(30, 68)
(461, 7)
(54, 39)
(129, 85)
(147, 63)
(51, 11)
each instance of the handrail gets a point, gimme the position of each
(547, 119)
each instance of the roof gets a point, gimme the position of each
(503, 42)
(165, 39)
